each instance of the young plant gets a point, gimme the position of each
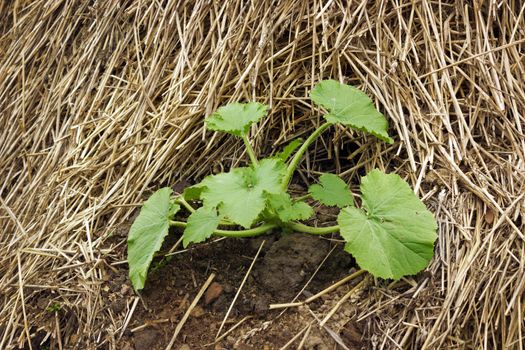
(390, 235)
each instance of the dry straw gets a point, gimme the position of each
(100, 102)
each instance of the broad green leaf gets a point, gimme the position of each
(236, 118)
(174, 208)
(268, 175)
(231, 194)
(298, 211)
(331, 190)
(147, 234)
(288, 150)
(286, 209)
(238, 194)
(393, 234)
(193, 192)
(351, 107)
(201, 225)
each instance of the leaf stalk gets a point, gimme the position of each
(299, 154)
(249, 150)
(252, 232)
(182, 201)
(297, 226)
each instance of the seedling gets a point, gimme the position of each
(54, 308)
(390, 235)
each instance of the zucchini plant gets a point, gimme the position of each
(390, 234)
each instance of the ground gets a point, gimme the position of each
(282, 270)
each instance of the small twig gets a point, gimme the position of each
(320, 294)
(128, 316)
(246, 318)
(295, 337)
(335, 285)
(341, 302)
(240, 288)
(187, 314)
(175, 246)
(22, 300)
(310, 279)
(59, 335)
(306, 334)
(149, 324)
(330, 332)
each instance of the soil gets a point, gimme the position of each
(281, 272)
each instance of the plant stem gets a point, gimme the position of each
(313, 230)
(301, 198)
(249, 149)
(191, 209)
(299, 154)
(186, 205)
(252, 232)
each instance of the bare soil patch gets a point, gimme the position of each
(282, 271)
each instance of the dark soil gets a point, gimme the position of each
(280, 273)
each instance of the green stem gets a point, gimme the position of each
(186, 205)
(252, 232)
(313, 230)
(249, 149)
(299, 154)
(301, 198)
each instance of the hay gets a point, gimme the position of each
(102, 101)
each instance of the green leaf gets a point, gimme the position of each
(238, 194)
(268, 175)
(331, 190)
(288, 150)
(201, 225)
(230, 193)
(193, 192)
(236, 118)
(174, 208)
(299, 211)
(351, 107)
(393, 234)
(286, 209)
(147, 234)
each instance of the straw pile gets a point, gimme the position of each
(100, 102)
